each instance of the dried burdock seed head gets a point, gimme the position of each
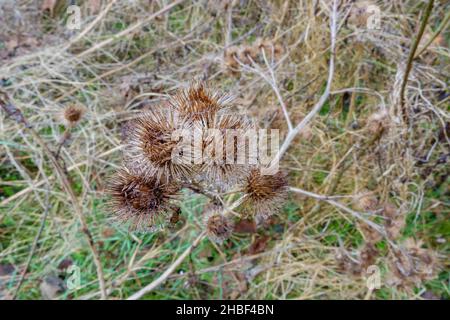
(218, 227)
(141, 202)
(225, 149)
(247, 54)
(199, 102)
(265, 194)
(72, 114)
(155, 143)
(269, 48)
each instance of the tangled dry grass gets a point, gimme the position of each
(368, 170)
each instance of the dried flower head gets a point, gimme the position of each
(154, 144)
(142, 202)
(225, 149)
(72, 114)
(265, 194)
(218, 227)
(271, 49)
(199, 102)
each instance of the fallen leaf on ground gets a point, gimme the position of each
(51, 287)
(259, 245)
(6, 269)
(66, 263)
(245, 226)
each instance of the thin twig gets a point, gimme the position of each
(168, 271)
(318, 106)
(409, 63)
(33, 246)
(340, 206)
(274, 85)
(435, 34)
(13, 112)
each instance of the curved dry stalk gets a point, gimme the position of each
(409, 63)
(90, 26)
(41, 182)
(14, 113)
(169, 270)
(318, 106)
(339, 205)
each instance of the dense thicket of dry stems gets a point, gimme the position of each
(365, 140)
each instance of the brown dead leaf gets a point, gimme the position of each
(65, 263)
(245, 226)
(108, 232)
(51, 287)
(259, 245)
(6, 269)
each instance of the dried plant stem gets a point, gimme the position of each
(340, 206)
(130, 29)
(197, 188)
(180, 259)
(274, 85)
(318, 106)
(17, 115)
(168, 271)
(78, 210)
(33, 248)
(65, 137)
(351, 109)
(409, 62)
